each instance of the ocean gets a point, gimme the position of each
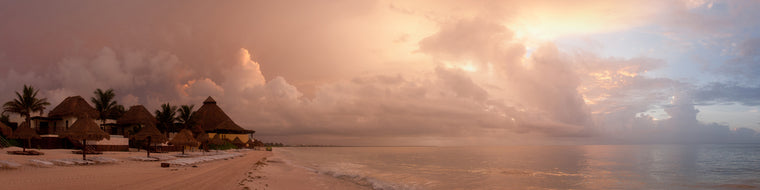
(729, 166)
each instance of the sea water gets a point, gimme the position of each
(731, 166)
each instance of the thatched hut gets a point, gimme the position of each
(217, 141)
(134, 119)
(150, 134)
(25, 132)
(184, 138)
(202, 137)
(5, 130)
(212, 119)
(237, 142)
(66, 113)
(85, 129)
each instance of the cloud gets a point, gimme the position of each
(445, 72)
(727, 93)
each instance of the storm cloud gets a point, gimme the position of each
(372, 72)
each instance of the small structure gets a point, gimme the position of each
(212, 120)
(250, 144)
(217, 141)
(85, 129)
(150, 134)
(203, 139)
(64, 115)
(25, 132)
(133, 120)
(5, 130)
(184, 138)
(237, 142)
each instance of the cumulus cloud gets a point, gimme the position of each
(448, 76)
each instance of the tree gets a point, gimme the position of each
(185, 112)
(166, 117)
(104, 102)
(116, 112)
(26, 103)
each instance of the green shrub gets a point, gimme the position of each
(225, 146)
(269, 148)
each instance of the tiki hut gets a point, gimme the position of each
(211, 118)
(5, 130)
(136, 115)
(217, 141)
(237, 142)
(184, 138)
(85, 129)
(203, 139)
(151, 134)
(74, 106)
(25, 132)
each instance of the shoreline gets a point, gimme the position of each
(274, 173)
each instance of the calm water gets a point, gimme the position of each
(735, 166)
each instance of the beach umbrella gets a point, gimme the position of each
(184, 138)
(85, 129)
(151, 134)
(25, 132)
(217, 140)
(203, 139)
(237, 142)
(7, 131)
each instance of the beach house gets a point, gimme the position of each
(63, 116)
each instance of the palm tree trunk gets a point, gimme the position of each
(84, 149)
(148, 149)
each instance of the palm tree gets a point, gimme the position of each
(26, 103)
(104, 102)
(185, 111)
(166, 117)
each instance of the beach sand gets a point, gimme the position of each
(238, 173)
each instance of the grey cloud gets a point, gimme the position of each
(727, 93)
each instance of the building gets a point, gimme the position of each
(210, 118)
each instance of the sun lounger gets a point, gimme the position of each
(40, 163)
(9, 165)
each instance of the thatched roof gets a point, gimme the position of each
(7, 131)
(25, 132)
(151, 131)
(74, 106)
(202, 137)
(229, 126)
(217, 140)
(237, 141)
(184, 138)
(210, 117)
(137, 115)
(85, 129)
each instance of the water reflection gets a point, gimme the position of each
(540, 167)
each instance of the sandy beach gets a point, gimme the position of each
(237, 173)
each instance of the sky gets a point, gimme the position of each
(398, 73)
